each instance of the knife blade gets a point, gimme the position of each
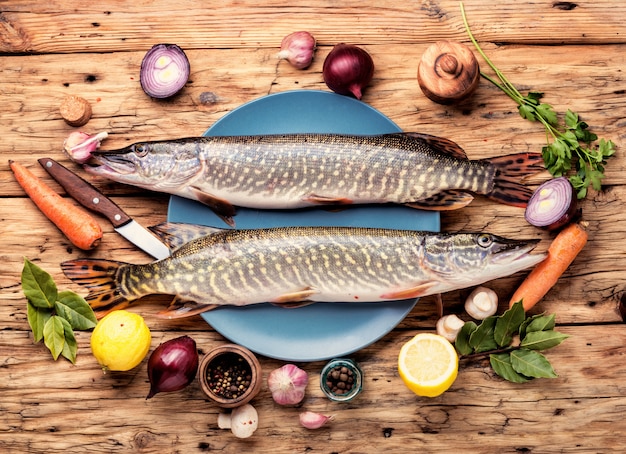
(90, 197)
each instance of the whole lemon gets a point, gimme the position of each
(120, 341)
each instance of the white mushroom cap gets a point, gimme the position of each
(244, 421)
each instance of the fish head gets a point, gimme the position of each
(467, 259)
(160, 166)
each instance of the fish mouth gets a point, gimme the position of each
(518, 253)
(110, 163)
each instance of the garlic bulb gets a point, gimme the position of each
(449, 326)
(481, 303)
(287, 384)
(312, 420)
(298, 49)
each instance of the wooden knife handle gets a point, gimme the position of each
(85, 193)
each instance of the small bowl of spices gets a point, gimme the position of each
(230, 375)
(341, 379)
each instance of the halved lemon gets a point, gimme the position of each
(428, 364)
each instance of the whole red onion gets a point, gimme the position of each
(172, 365)
(348, 69)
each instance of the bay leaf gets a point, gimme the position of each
(73, 308)
(70, 347)
(54, 335)
(482, 340)
(38, 286)
(531, 363)
(542, 323)
(37, 318)
(461, 343)
(543, 340)
(501, 364)
(508, 324)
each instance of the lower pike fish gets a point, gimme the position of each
(294, 266)
(284, 171)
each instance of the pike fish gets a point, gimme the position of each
(285, 171)
(295, 266)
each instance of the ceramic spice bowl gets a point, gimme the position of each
(230, 375)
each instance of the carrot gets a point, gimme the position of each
(78, 225)
(561, 253)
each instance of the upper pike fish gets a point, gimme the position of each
(293, 266)
(284, 171)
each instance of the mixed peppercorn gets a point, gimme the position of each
(229, 376)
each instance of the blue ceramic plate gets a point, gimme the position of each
(322, 330)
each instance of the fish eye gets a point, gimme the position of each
(484, 240)
(140, 149)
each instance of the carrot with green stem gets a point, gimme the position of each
(80, 227)
(561, 253)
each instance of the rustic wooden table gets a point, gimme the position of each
(574, 52)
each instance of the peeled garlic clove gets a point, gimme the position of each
(312, 420)
(481, 303)
(449, 326)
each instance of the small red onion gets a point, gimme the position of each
(172, 365)
(348, 69)
(552, 205)
(164, 71)
(298, 48)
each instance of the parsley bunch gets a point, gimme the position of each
(571, 148)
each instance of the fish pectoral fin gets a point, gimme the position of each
(413, 292)
(443, 201)
(175, 234)
(222, 207)
(327, 200)
(295, 299)
(180, 307)
(440, 144)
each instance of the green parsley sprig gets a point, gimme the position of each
(513, 343)
(54, 315)
(571, 148)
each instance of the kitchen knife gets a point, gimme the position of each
(87, 195)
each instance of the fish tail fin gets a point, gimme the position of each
(509, 171)
(100, 277)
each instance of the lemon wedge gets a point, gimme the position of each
(428, 364)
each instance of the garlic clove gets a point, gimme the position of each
(288, 384)
(481, 303)
(312, 420)
(449, 326)
(298, 49)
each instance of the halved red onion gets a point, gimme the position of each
(164, 71)
(552, 205)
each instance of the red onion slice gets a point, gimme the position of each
(164, 71)
(552, 205)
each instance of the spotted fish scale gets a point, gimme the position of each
(292, 266)
(285, 171)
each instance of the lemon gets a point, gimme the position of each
(120, 341)
(428, 364)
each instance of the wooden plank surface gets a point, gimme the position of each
(574, 52)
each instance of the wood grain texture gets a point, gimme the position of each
(573, 52)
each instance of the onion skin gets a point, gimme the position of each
(172, 365)
(552, 205)
(164, 71)
(348, 69)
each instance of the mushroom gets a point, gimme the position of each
(481, 303)
(449, 326)
(448, 72)
(242, 421)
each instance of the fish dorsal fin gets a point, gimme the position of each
(440, 144)
(222, 207)
(181, 307)
(175, 234)
(443, 201)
